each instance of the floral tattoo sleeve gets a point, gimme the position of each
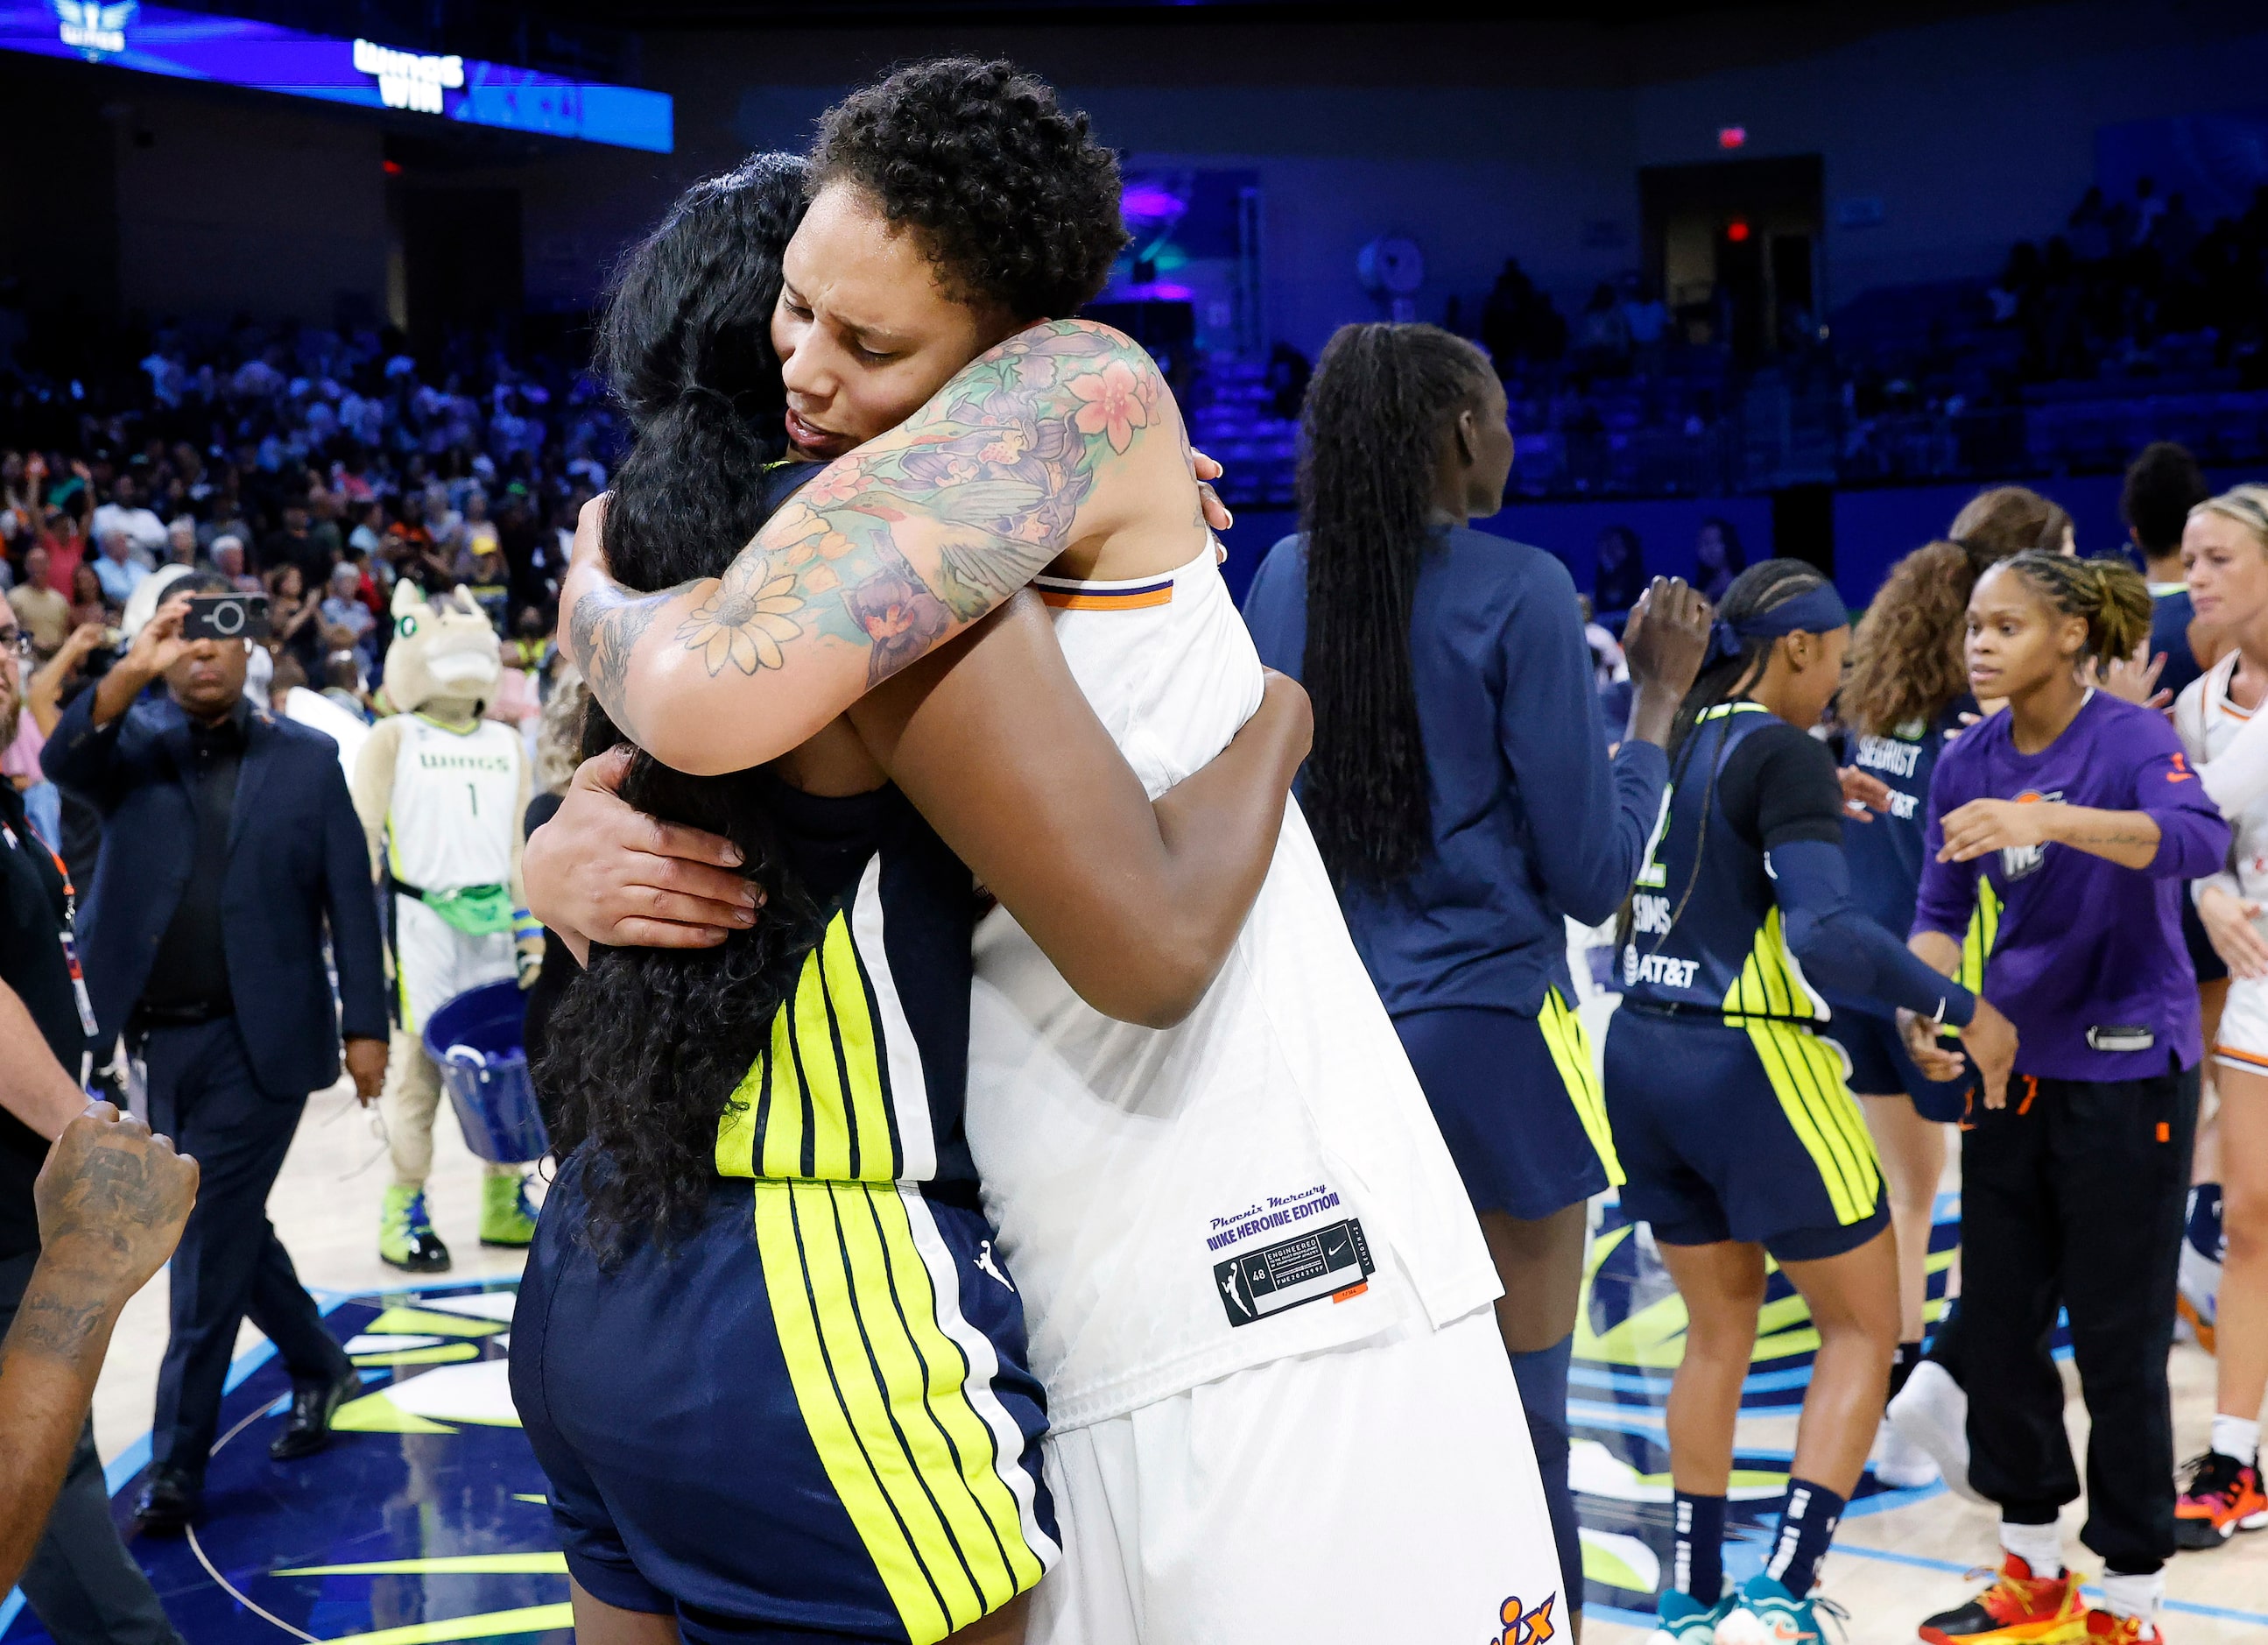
(893, 547)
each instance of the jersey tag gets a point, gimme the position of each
(78, 983)
(1306, 1268)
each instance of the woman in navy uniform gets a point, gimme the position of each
(1736, 1131)
(766, 1353)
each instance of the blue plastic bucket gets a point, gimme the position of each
(475, 1040)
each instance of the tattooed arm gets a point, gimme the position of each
(1064, 433)
(112, 1199)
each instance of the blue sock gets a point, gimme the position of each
(1807, 1526)
(1696, 1559)
(1542, 1379)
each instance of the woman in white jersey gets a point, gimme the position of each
(1254, 1287)
(2224, 552)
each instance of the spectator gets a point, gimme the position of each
(89, 603)
(1603, 337)
(145, 532)
(118, 572)
(228, 559)
(1620, 576)
(204, 944)
(369, 533)
(1717, 557)
(66, 550)
(44, 613)
(293, 543)
(291, 615)
(181, 541)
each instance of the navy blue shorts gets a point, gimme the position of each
(1720, 1144)
(1881, 1067)
(1525, 1124)
(812, 1420)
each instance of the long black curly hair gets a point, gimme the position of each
(647, 1045)
(1369, 440)
(1016, 201)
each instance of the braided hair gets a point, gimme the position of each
(1380, 399)
(2110, 594)
(647, 1045)
(1761, 587)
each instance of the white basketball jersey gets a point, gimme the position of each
(454, 815)
(1265, 1178)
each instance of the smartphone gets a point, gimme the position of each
(226, 617)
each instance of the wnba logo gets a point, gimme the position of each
(2016, 861)
(1523, 1627)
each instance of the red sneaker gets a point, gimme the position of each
(2019, 1606)
(2107, 1627)
(2221, 1497)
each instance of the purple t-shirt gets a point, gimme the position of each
(2080, 942)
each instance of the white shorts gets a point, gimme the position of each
(434, 962)
(2243, 1041)
(1385, 1491)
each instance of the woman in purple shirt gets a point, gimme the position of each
(2060, 834)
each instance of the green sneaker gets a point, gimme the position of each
(405, 1238)
(507, 1219)
(1682, 1619)
(1765, 1613)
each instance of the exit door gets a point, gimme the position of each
(1734, 247)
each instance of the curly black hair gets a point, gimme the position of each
(2163, 484)
(1017, 203)
(647, 1045)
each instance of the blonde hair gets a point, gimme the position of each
(2246, 505)
(559, 730)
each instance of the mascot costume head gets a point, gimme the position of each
(445, 660)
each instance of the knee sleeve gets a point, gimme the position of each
(1542, 1379)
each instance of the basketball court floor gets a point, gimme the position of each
(425, 1521)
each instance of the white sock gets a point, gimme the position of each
(2233, 1436)
(2133, 1595)
(2039, 1546)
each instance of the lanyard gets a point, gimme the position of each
(67, 934)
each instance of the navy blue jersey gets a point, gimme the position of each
(1533, 823)
(1709, 952)
(2170, 633)
(1885, 851)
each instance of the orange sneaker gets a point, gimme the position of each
(2018, 1606)
(2221, 1497)
(2108, 1628)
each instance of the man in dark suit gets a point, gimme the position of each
(229, 845)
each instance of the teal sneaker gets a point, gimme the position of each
(1685, 1620)
(1765, 1613)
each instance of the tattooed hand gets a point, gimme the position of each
(112, 1199)
(887, 553)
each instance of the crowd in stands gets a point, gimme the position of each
(314, 466)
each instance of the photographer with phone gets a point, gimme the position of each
(230, 844)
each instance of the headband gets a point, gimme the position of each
(1817, 610)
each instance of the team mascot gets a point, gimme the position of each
(441, 793)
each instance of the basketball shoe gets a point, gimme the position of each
(2018, 1606)
(2108, 1628)
(1765, 1613)
(2221, 1497)
(1682, 1619)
